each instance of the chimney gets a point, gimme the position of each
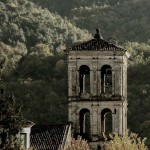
(113, 41)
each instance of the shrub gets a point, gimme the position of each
(127, 142)
(76, 144)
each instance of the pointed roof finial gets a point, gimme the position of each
(98, 34)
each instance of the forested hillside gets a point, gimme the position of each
(31, 41)
(127, 20)
(32, 37)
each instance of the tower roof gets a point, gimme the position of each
(96, 45)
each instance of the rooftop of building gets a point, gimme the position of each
(48, 137)
(97, 44)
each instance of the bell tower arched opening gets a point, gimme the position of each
(106, 120)
(85, 122)
(84, 79)
(106, 79)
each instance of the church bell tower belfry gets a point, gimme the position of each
(97, 88)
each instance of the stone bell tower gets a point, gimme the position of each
(97, 88)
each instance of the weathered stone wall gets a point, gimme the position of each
(95, 60)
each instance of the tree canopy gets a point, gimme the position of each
(11, 121)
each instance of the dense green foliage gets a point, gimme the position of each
(127, 20)
(11, 121)
(24, 22)
(32, 40)
(139, 89)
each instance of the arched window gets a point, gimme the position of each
(85, 122)
(84, 79)
(106, 79)
(106, 120)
